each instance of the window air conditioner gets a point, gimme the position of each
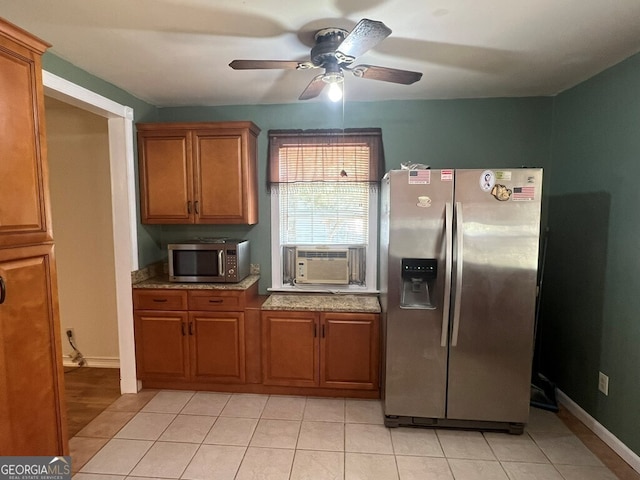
(322, 265)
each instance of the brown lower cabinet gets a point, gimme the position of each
(177, 344)
(32, 414)
(321, 349)
(220, 340)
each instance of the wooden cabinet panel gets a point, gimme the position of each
(32, 414)
(191, 336)
(349, 350)
(32, 409)
(162, 345)
(166, 177)
(144, 299)
(220, 157)
(216, 300)
(290, 349)
(198, 172)
(217, 347)
(314, 349)
(24, 202)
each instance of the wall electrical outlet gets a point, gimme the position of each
(603, 383)
(70, 333)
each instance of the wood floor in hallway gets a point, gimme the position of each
(88, 392)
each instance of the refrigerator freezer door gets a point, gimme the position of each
(414, 213)
(490, 360)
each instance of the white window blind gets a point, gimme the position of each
(324, 205)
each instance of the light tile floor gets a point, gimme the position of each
(218, 436)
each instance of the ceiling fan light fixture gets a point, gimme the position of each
(335, 50)
(334, 77)
(335, 92)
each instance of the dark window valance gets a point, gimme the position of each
(342, 156)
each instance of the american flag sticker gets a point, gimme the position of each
(523, 193)
(419, 176)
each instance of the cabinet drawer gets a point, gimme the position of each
(159, 299)
(229, 300)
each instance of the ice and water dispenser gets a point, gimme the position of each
(418, 282)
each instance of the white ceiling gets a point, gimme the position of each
(176, 52)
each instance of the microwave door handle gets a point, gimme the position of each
(221, 263)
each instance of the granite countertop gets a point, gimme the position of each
(322, 302)
(162, 281)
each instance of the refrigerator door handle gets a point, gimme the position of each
(459, 262)
(448, 233)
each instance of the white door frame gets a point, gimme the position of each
(123, 207)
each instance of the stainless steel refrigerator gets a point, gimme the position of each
(458, 268)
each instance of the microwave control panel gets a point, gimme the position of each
(232, 262)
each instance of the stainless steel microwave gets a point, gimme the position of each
(223, 260)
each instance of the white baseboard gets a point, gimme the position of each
(97, 362)
(605, 435)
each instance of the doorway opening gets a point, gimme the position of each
(120, 207)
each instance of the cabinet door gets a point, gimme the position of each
(217, 346)
(220, 173)
(166, 177)
(162, 345)
(24, 210)
(349, 350)
(290, 348)
(32, 409)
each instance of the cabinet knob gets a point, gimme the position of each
(189, 207)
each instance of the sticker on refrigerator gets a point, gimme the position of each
(424, 201)
(487, 180)
(422, 177)
(502, 175)
(524, 193)
(501, 192)
(446, 175)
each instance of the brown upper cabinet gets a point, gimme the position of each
(24, 201)
(198, 172)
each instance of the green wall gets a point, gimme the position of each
(591, 304)
(454, 133)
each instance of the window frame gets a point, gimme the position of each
(371, 276)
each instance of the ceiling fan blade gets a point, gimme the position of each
(269, 64)
(386, 74)
(364, 36)
(314, 88)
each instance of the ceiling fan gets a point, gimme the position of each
(335, 50)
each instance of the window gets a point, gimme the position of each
(324, 197)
